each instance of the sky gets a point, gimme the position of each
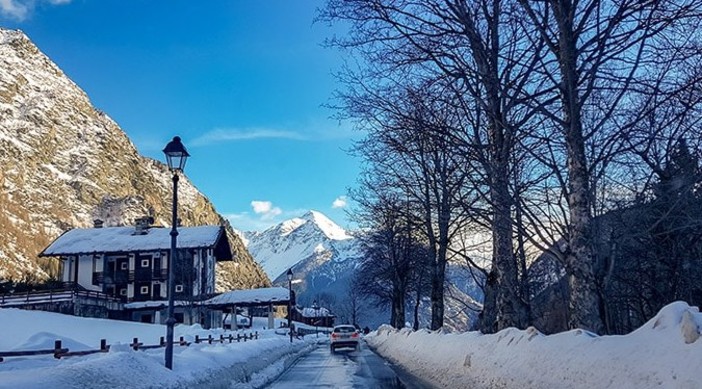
(243, 83)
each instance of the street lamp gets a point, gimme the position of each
(176, 155)
(316, 320)
(290, 276)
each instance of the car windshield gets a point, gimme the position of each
(344, 329)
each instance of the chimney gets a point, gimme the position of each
(142, 225)
(97, 223)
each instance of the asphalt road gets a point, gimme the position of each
(345, 368)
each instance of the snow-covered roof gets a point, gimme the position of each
(260, 296)
(311, 312)
(155, 304)
(121, 239)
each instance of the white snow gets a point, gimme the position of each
(330, 229)
(311, 237)
(657, 355)
(115, 239)
(664, 353)
(260, 295)
(311, 312)
(240, 365)
(291, 225)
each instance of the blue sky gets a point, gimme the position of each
(242, 83)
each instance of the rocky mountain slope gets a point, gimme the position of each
(64, 163)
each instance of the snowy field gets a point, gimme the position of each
(664, 353)
(237, 365)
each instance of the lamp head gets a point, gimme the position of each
(176, 154)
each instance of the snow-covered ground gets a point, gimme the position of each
(237, 365)
(664, 353)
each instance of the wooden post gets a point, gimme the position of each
(197, 339)
(221, 338)
(209, 338)
(103, 345)
(135, 344)
(238, 338)
(182, 341)
(57, 349)
(162, 341)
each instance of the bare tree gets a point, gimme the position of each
(387, 263)
(482, 58)
(600, 55)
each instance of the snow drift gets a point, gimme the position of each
(664, 353)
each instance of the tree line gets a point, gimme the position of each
(537, 124)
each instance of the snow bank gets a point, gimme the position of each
(241, 365)
(664, 353)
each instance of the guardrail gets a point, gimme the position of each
(60, 352)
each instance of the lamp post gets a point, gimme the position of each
(290, 276)
(176, 155)
(316, 320)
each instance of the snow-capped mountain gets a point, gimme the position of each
(64, 163)
(324, 258)
(310, 241)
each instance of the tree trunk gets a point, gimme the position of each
(487, 320)
(417, 301)
(584, 299)
(398, 305)
(511, 311)
(437, 297)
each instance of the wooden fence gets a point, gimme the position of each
(60, 352)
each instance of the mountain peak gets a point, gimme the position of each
(326, 225)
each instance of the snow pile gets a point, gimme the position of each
(664, 353)
(250, 364)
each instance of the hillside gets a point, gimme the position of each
(64, 163)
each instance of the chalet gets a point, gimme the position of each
(130, 265)
(313, 316)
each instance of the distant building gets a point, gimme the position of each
(320, 316)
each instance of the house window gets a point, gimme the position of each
(144, 263)
(179, 288)
(144, 290)
(124, 266)
(123, 292)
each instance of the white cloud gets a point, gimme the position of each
(21, 9)
(227, 135)
(314, 130)
(265, 209)
(261, 206)
(13, 9)
(340, 202)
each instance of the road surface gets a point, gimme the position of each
(344, 369)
